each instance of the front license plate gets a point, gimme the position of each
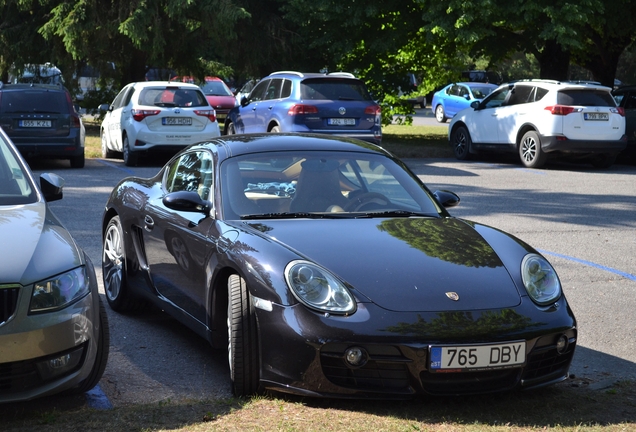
(596, 116)
(176, 121)
(471, 357)
(341, 122)
(35, 123)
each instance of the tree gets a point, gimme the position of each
(139, 34)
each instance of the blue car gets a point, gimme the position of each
(335, 104)
(455, 97)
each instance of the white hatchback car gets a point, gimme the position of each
(157, 116)
(539, 119)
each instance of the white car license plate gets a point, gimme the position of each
(470, 357)
(35, 123)
(176, 121)
(596, 116)
(341, 121)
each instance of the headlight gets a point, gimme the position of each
(59, 291)
(318, 289)
(540, 279)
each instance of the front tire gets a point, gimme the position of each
(106, 152)
(242, 339)
(101, 357)
(440, 115)
(114, 269)
(461, 142)
(530, 152)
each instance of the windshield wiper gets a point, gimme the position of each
(297, 215)
(399, 213)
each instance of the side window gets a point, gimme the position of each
(463, 91)
(287, 89)
(520, 94)
(191, 172)
(120, 97)
(258, 92)
(630, 101)
(540, 93)
(273, 89)
(128, 96)
(496, 98)
(454, 90)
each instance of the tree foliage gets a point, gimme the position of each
(381, 42)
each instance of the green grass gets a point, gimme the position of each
(403, 141)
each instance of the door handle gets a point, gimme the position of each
(149, 223)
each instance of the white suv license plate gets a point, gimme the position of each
(176, 121)
(596, 116)
(341, 122)
(35, 123)
(475, 357)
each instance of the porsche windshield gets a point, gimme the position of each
(303, 182)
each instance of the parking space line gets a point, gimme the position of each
(591, 264)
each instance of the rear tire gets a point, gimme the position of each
(603, 161)
(230, 129)
(243, 354)
(78, 161)
(275, 129)
(130, 157)
(461, 142)
(530, 152)
(440, 115)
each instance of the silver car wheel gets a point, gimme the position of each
(113, 262)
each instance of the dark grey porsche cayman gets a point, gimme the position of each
(326, 268)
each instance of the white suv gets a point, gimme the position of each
(539, 119)
(156, 115)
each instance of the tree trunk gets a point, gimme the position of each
(553, 61)
(135, 69)
(604, 61)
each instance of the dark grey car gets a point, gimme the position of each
(42, 122)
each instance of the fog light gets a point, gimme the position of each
(356, 356)
(562, 344)
(54, 367)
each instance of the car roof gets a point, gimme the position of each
(26, 86)
(559, 85)
(144, 84)
(474, 84)
(294, 74)
(236, 145)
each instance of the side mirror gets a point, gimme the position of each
(52, 186)
(244, 101)
(104, 107)
(446, 198)
(186, 201)
(474, 105)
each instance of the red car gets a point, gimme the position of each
(217, 93)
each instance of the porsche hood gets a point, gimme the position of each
(406, 264)
(35, 245)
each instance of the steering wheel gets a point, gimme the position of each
(358, 202)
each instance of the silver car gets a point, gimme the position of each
(54, 334)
